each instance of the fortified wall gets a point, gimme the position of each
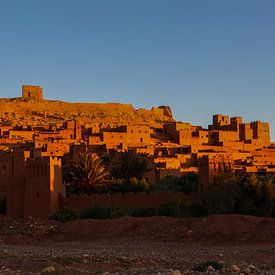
(138, 200)
(47, 105)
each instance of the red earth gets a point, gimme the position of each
(128, 245)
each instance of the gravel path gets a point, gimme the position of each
(142, 258)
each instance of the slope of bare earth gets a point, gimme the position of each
(221, 229)
(45, 111)
(156, 245)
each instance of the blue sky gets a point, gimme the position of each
(200, 57)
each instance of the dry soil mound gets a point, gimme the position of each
(218, 229)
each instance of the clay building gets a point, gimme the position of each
(212, 165)
(32, 92)
(261, 131)
(122, 137)
(246, 132)
(220, 121)
(69, 130)
(32, 186)
(52, 148)
(35, 144)
(12, 180)
(219, 137)
(43, 186)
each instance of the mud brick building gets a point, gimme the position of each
(38, 136)
(32, 92)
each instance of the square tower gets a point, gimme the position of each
(220, 120)
(32, 92)
(43, 186)
(261, 131)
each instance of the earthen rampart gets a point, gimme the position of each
(138, 200)
(43, 106)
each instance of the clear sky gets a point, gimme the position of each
(200, 57)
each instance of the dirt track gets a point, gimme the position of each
(157, 245)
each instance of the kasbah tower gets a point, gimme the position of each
(32, 92)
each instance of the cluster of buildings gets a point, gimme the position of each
(32, 156)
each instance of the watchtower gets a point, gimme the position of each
(32, 92)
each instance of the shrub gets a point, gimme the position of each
(3, 205)
(196, 209)
(144, 212)
(133, 185)
(255, 195)
(203, 266)
(121, 211)
(65, 215)
(273, 207)
(246, 195)
(219, 198)
(104, 212)
(187, 184)
(96, 212)
(177, 209)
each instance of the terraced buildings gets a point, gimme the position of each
(37, 136)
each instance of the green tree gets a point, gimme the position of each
(89, 174)
(187, 184)
(255, 196)
(127, 165)
(220, 196)
(247, 194)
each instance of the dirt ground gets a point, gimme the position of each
(156, 245)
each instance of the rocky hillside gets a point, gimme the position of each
(21, 112)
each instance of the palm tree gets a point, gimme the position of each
(127, 165)
(89, 173)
